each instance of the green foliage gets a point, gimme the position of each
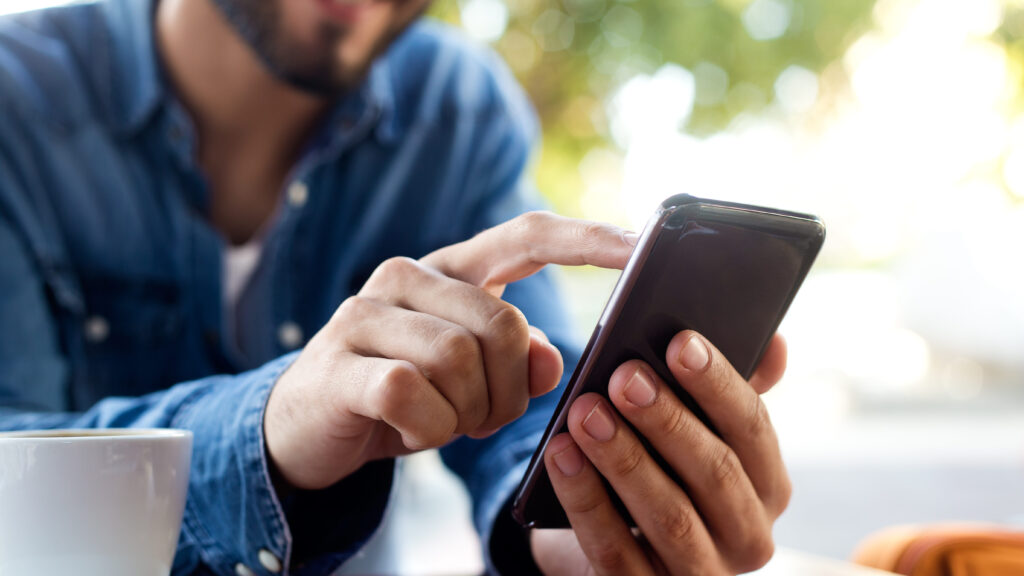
(1011, 35)
(571, 55)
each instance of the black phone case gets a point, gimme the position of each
(695, 267)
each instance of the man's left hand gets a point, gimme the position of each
(736, 483)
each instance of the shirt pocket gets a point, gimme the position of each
(131, 332)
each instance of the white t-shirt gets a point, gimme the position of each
(238, 267)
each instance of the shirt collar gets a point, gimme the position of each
(136, 82)
(140, 88)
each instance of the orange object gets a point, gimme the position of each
(945, 550)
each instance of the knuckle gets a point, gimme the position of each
(457, 349)
(534, 220)
(397, 386)
(508, 410)
(582, 502)
(435, 435)
(677, 523)
(507, 336)
(474, 418)
(508, 326)
(400, 391)
(677, 424)
(442, 432)
(725, 469)
(609, 558)
(390, 275)
(758, 422)
(719, 379)
(629, 462)
(757, 550)
(779, 495)
(513, 408)
(352, 309)
(395, 268)
(591, 230)
(522, 404)
(457, 360)
(785, 494)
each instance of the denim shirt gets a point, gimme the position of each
(110, 272)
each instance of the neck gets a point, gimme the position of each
(222, 82)
(251, 127)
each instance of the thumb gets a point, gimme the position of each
(545, 364)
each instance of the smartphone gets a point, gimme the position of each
(728, 271)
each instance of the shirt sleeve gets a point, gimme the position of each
(233, 515)
(493, 467)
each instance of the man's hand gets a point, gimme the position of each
(427, 351)
(736, 484)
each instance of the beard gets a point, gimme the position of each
(311, 68)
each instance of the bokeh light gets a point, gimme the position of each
(900, 122)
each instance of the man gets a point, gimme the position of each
(193, 188)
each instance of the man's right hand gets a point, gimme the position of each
(427, 351)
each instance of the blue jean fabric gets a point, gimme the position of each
(110, 273)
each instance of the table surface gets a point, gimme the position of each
(789, 562)
(786, 562)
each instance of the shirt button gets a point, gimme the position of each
(289, 335)
(97, 329)
(298, 194)
(269, 561)
(243, 570)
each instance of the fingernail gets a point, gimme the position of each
(569, 461)
(599, 423)
(631, 238)
(640, 390)
(695, 356)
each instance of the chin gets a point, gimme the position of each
(312, 53)
(332, 73)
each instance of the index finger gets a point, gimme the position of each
(522, 246)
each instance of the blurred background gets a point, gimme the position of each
(901, 124)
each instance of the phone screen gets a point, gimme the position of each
(727, 271)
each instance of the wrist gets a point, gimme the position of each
(302, 444)
(274, 444)
(282, 487)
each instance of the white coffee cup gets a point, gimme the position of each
(92, 502)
